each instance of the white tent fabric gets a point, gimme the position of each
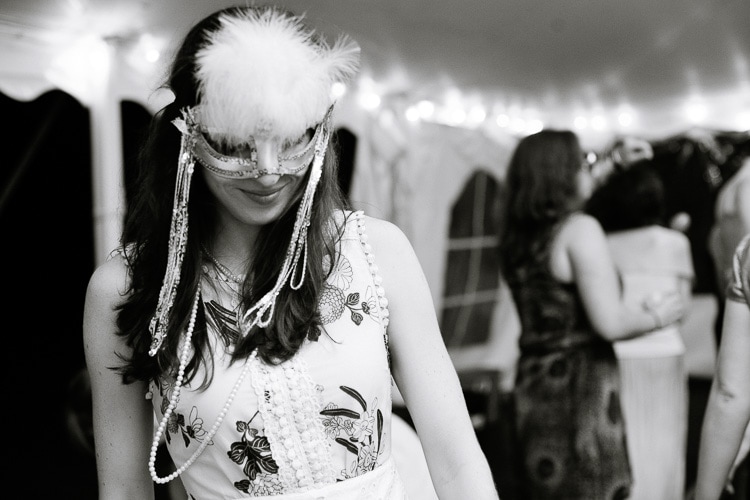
(412, 176)
(543, 57)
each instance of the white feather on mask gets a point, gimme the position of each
(263, 72)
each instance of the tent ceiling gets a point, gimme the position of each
(558, 57)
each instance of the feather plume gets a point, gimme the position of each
(265, 71)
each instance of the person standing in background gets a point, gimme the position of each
(731, 223)
(651, 260)
(266, 350)
(564, 283)
(728, 410)
(623, 151)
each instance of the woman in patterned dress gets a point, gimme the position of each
(564, 284)
(263, 357)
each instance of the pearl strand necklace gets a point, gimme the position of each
(223, 270)
(174, 399)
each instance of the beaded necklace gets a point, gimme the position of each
(175, 397)
(223, 270)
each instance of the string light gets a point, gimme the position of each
(85, 62)
(369, 100)
(593, 125)
(625, 118)
(743, 121)
(518, 125)
(598, 123)
(695, 111)
(455, 115)
(534, 125)
(412, 114)
(426, 109)
(502, 120)
(476, 115)
(338, 89)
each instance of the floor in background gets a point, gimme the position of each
(699, 388)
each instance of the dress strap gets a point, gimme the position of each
(383, 313)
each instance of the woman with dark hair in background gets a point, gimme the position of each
(565, 286)
(652, 260)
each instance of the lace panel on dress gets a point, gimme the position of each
(289, 403)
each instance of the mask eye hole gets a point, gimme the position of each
(292, 146)
(247, 150)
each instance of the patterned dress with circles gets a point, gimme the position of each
(569, 423)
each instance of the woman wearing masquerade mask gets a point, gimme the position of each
(263, 355)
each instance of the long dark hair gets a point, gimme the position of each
(542, 189)
(146, 240)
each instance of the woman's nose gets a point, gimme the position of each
(268, 163)
(268, 156)
(268, 180)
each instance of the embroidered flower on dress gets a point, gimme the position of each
(368, 456)
(331, 304)
(332, 425)
(192, 430)
(342, 275)
(364, 426)
(333, 301)
(253, 452)
(355, 431)
(370, 304)
(176, 424)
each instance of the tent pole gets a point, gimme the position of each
(107, 161)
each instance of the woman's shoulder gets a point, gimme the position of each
(677, 245)
(381, 227)
(111, 278)
(385, 236)
(652, 238)
(580, 240)
(378, 228)
(382, 239)
(669, 236)
(579, 225)
(652, 249)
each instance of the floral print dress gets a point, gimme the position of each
(316, 420)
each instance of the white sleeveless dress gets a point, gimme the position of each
(654, 378)
(315, 426)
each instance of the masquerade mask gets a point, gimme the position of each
(260, 70)
(294, 155)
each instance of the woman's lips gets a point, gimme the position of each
(264, 197)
